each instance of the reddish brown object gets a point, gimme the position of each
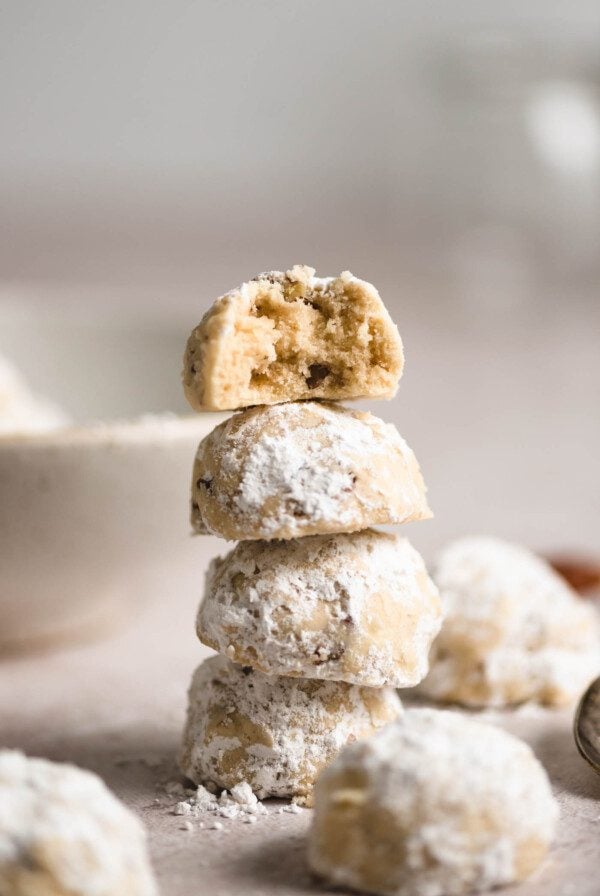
(582, 573)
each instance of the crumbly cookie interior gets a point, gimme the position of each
(296, 337)
(318, 337)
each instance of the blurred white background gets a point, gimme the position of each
(156, 154)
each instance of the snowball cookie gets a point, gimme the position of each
(435, 804)
(358, 608)
(275, 733)
(303, 469)
(283, 337)
(513, 629)
(63, 833)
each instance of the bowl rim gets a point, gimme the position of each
(144, 429)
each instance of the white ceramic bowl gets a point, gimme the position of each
(94, 518)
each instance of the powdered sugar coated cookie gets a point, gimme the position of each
(358, 608)
(435, 804)
(303, 469)
(513, 629)
(62, 833)
(275, 733)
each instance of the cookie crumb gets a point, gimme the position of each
(182, 809)
(240, 802)
(292, 809)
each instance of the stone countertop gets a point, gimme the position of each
(116, 706)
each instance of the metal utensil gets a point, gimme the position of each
(586, 726)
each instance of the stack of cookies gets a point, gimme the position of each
(317, 618)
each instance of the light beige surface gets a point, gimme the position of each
(118, 709)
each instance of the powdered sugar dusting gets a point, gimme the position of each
(299, 468)
(240, 802)
(456, 789)
(65, 824)
(275, 733)
(310, 607)
(514, 630)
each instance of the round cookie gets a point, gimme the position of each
(358, 608)
(285, 337)
(513, 629)
(306, 468)
(434, 804)
(63, 833)
(275, 733)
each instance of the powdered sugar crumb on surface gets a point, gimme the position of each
(239, 802)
